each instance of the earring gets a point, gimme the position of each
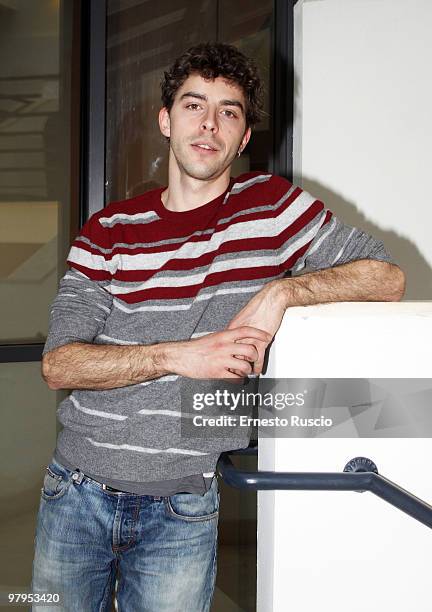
(239, 153)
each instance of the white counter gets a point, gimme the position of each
(346, 551)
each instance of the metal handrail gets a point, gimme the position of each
(352, 480)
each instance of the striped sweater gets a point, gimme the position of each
(142, 274)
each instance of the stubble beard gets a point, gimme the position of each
(203, 170)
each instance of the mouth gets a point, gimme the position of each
(204, 148)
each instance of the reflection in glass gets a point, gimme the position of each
(34, 164)
(143, 39)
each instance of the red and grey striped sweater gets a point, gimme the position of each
(142, 274)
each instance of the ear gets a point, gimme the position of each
(164, 122)
(245, 139)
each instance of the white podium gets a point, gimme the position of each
(342, 551)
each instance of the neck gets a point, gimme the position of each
(186, 193)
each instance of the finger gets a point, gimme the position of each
(258, 364)
(250, 332)
(245, 350)
(252, 342)
(249, 358)
(252, 363)
(257, 368)
(241, 366)
(234, 375)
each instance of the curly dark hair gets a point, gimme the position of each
(213, 59)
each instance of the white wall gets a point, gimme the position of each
(341, 550)
(363, 129)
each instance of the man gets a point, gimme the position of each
(183, 282)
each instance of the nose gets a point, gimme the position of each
(209, 122)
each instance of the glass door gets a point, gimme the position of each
(143, 39)
(38, 216)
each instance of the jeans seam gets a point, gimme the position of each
(192, 519)
(213, 578)
(109, 591)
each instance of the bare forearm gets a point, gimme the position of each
(214, 355)
(362, 280)
(91, 366)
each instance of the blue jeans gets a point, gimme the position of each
(164, 548)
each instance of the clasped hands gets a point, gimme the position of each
(263, 312)
(238, 350)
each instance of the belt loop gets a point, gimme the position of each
(77, 476)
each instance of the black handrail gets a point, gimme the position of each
(352, 480)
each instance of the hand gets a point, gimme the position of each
(264, 311)
(211, 356)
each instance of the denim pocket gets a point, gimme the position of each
(193, 507)
(56, 481)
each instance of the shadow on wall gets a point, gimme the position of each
(405, 253)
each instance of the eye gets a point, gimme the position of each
(230, 113)
(192, 104)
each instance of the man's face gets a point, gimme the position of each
(206, 126)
